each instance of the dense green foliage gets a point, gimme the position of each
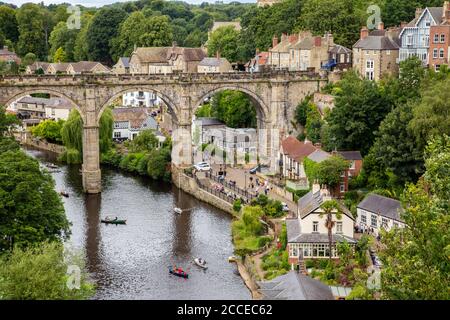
(271, 208)
(224, 41)
(40, 272)
(416, 258)
(234, 108)
(49, 130)
(72, 132)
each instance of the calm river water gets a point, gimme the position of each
(131, 261)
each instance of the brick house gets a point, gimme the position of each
(291, 155)
(375, 54)
(439, 50)
(356, 162)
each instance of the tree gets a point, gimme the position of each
(159, 159)
(29, 58)
(102, 29)
(314, 123)
(32, 28)
(358, 111)
(60, 55)
(234, 108)
(158, 32)
(40, 273)
(63, 37)
(7, 122)
(329, 171)
(396, 147)
(49, 130)
(81, 50)
(224, 40)
(329, 207)
(8, 27)
(144, 142)
(31, 210)
(430, 115)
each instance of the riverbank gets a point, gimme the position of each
(26, 139)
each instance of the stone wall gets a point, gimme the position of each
(27, 139)
(189, 185)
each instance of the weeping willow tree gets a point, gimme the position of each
(72, 137)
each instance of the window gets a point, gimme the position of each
(437, 67)
(409, 40)
(116, 125)
(427, 23)
(388, 52)
(315, 226)
(373, 221)
(117, 134)
(441, 53)
(369, 65)
(363, 218)
(369, 75)
(352, 164)
(339, 227)
(384, 223)
(342, 187)
(436, 38)
(442, 38)
(435, 53)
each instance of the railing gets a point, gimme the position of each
(230, 186)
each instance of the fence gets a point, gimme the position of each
(231, 186)
(217, 193)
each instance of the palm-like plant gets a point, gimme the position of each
(328, 207)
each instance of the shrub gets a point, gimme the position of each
(237, 205)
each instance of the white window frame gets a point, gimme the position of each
(373, 221)
(441, 53)
(442, 38)
(435, 53)
(436, 38)
(315, 226)
(339, 227)
(363, 218)
(409, 40)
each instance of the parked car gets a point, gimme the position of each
(253, 170)
(202, 166)
(285, 207)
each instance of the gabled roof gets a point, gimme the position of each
(435, 13)
(151, 54)
(87, 66)
(310, 202)
(350, 155)
(187, 54)
(338, 49)
(375, 41)
(213, 62)
(384, 206)
(305, 44)
(295, 286)
(319, 156)
(125, 61)
(135, 115)
(38, 65)
(296, 149)
(6, 52)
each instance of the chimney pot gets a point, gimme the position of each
(381, 25)
(317, 41)
(364, 33)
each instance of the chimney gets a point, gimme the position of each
(364, 33)
(381, 25)
(293, 38)
(418, 12)
(274, 41)
(403, 24)
(317, 41)
(446, 11)
(325, 193)
(315, 187)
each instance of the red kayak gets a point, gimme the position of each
(178, 272)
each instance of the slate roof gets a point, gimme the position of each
(296, 149)
(310, 202)
(305, 44)
(59, 103)
(319, 156)
(135, 115)
(294, 286)
(125, 62)
(374, 41)
(38, 65)
(350, 155)
(152, 54)
(61, 66)
(384, 206)
(212, 62)
(436, 13)
(209, 121)
(187, 54)
(86, 66)
(338, 49)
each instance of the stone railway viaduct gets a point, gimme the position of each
(275, 95)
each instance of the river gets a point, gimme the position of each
(131, 261)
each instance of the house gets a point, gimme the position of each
(376, 212)
(258, 63)
(57, 68)
(214, 65)
(279, 54)
(37, 67)
(201, 126)
(263, 3)
(58, 109)
(340, 57)
(439, 51)
(185, 59)
(294, 286)
(8, 56)
(291, 155)
(154, 60)
(375, 54)
(310, 52)
(122, 66)
(415, 36)
(87, 67)
(239, 142)
(307, 234)
(129, 122)
(140, 99)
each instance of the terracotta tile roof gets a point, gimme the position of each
(296, 149)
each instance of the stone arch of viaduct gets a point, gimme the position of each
(274, 94)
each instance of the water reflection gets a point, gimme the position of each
(130, 261)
